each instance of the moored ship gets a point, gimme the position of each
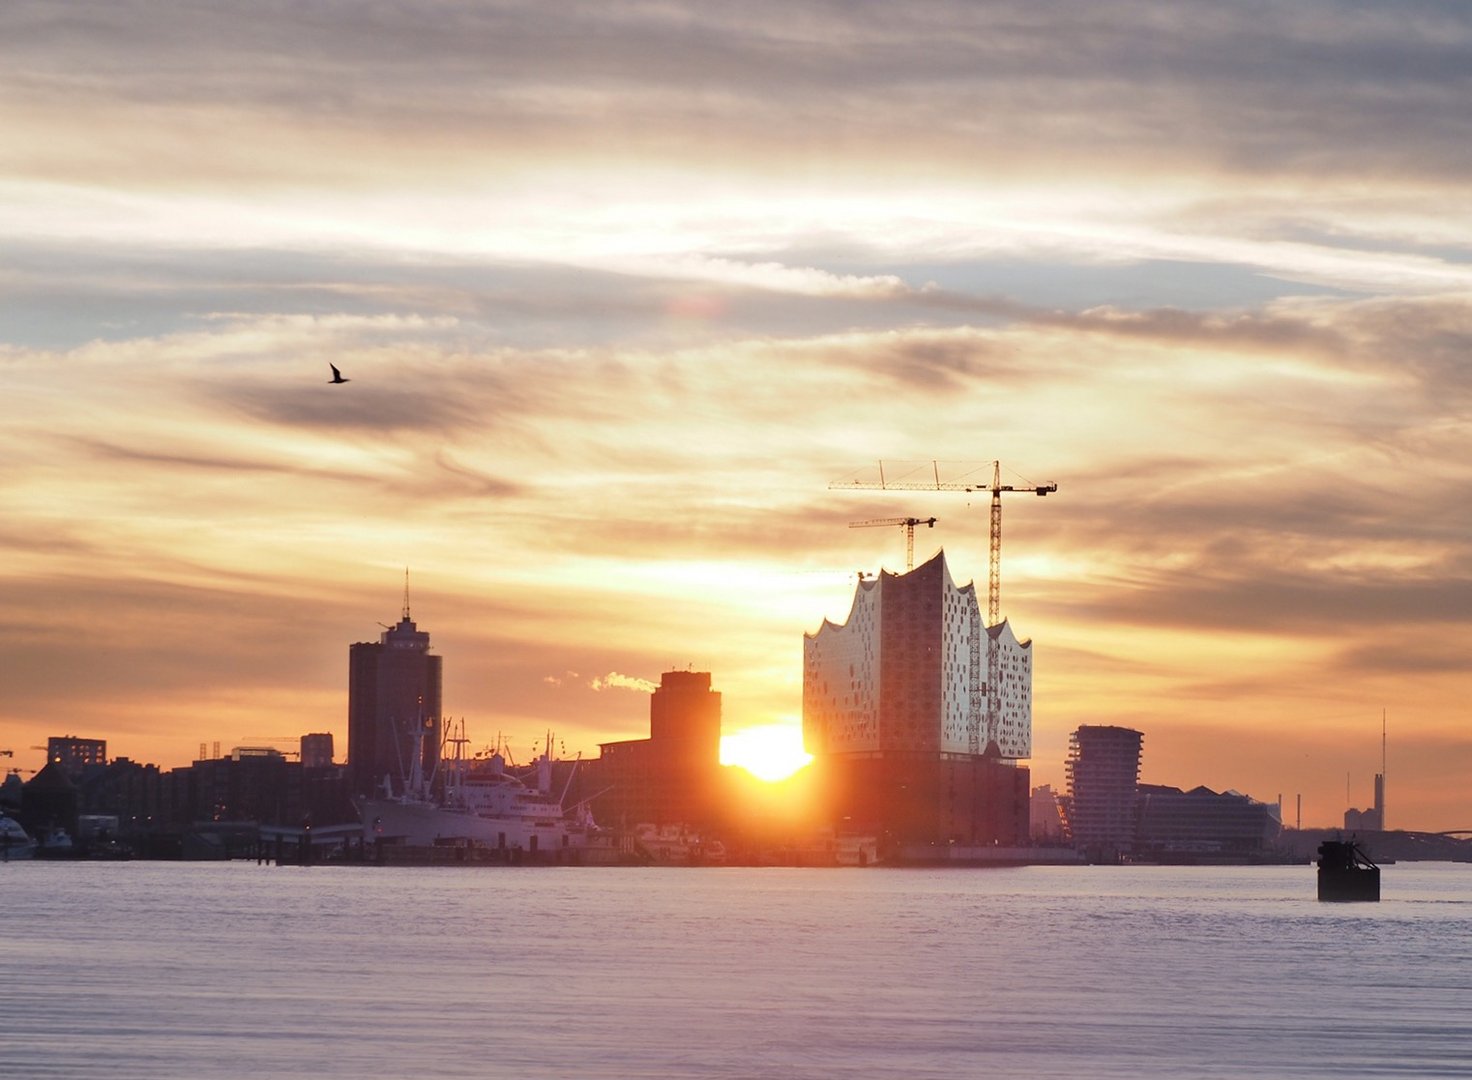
(14, 842)
(484, 805)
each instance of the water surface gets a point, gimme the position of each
(234, 970)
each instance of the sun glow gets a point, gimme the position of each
(768, 752)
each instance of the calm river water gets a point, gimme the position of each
(149, 969)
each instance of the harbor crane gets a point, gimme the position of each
(909, 523)
(922, 476)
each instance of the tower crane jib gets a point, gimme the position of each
(909, 523)
(927, 477)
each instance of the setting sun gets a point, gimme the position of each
(768, 752)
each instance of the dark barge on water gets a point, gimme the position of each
(1346, 872)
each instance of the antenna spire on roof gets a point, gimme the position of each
(406, 592)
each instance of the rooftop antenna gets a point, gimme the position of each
(406, 592)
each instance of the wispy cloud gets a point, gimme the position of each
(615, 681)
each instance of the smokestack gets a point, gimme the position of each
(1380, 780)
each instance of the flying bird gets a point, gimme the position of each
(337, 375)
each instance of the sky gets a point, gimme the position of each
(623, 289)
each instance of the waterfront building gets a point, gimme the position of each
(393, 708)
(1103, 771)
(899, 718)
(1361, 820)
(672, 777)
(1045, 816)
(49, 802)
(247, 785)
(263, 787)
(10, 791)
(907, 670)
(1176, 825)
(138, 795)
(1372, 820)
(316, 750)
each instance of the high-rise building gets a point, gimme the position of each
(393, 708)
(75, 755)
(316, 750)
(896, 713)
(1103, 770)
(671, 777)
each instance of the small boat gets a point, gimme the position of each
(14, 843)
(1346, 872)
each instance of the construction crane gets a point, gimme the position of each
(913, 477)
(909, 523)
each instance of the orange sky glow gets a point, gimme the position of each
(621, 289)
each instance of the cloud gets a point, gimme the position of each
(1251, 88)
(614, 681)
(100, 450)
(1281, 600)
(935, 361)
(799, 280)
(679, 135)
(1408, 656)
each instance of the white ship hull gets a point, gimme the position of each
(424, 824)
(486, 807)
(14, 843)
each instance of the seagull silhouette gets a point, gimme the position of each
(337, 375)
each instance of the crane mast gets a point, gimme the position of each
(909, 523)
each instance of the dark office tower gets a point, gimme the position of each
(670, 777)
(393, 708)
(685, 712)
